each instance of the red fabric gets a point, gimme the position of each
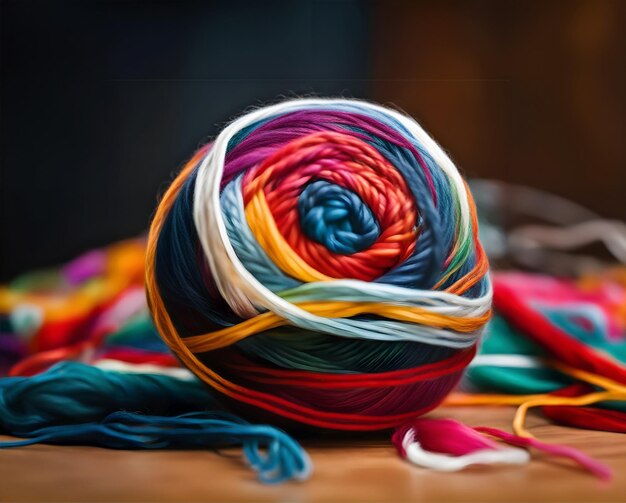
(588, 418)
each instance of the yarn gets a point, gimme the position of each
(57, 308)
(80, 404)
(557, 344)
(320, 261)
(447, 445)
(55, 397)
(135, 395)
(121, 328)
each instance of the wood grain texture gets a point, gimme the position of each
(365, 469)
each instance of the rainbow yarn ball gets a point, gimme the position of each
(320, 261)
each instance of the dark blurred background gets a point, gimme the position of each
(102, 101)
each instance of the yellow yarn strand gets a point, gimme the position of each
(230, 335)
(549, 400)
(611, 391)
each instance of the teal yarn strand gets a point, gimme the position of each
(72, 392)
(300, 349)
(74, 403)
(502, 339)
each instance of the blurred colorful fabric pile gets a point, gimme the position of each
(90, 310)
(558, 336)
(87, 366)
(557, 341)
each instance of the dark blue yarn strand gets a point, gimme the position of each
(179, 277)
(74, 403)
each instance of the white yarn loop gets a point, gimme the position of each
(447, 463)
(248, 297)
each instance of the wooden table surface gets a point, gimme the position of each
(364, 470)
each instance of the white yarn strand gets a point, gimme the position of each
(248, 297)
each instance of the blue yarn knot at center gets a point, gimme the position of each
(337, 218)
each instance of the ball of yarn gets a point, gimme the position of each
(320, 261)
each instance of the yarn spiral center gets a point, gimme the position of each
(336, 218)
(328, 194)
